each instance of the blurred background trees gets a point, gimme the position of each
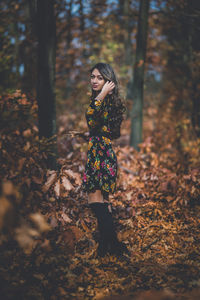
(92, 31)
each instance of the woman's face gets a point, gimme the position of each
(97, 81)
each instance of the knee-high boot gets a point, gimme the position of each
(108, 242)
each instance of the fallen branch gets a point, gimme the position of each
(74, 133)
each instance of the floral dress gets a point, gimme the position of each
(101, 166)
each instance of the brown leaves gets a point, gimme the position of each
(150, 209)
(51, 178)
(28, 236)
(74, 176)
(40, 222)
(9, 198)
(142, 177)
(66, 183)
(69, 238)
(57, 188)
(61, 183)
(5, 209)
(66, 218)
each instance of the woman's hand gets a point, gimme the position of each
(107, 89)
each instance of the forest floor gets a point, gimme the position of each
(164, 246)
(51, 254)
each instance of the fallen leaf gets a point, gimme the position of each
(50, 180)
(66, 184)
(57, 188)
(40, 221)
(66, 218)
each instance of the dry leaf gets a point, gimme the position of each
(21, 163)
(57, 188)
(66, 218)
(78, 179)
(53, 222)
(75, 176)
(40, 222)
(7, 188)
(66, 184)
(38, 180)
(26, 133)
(5, 209)
(50, 180)
(25, 235)
(129, 195)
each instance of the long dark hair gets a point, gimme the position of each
(116, 107)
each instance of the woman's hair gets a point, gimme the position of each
(117, 109)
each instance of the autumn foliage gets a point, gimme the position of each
(46, 223)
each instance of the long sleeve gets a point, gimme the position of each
(98, 118)
(94, 113)
(97, 106)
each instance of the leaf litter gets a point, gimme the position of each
(49, 237)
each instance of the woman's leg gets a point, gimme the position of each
(96, 202)
(95, 197)
(108, 241)
(98, 197)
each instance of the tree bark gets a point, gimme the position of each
(46, 34)
(28, 50)
(70, 57)
(128, 29)
(138, 77)
(194, 43)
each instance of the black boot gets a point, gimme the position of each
(108, 242)
(96, 208)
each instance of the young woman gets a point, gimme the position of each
(104, 117)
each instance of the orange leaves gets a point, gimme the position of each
(145, 176)
(150, 205)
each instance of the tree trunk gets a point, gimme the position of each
(194, 6)
(82, 17)
(70, 57)
(46, 33)
(27, 51)
(83, 38)
(138, 77)
(128, 26)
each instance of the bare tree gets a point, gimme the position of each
(138, 75)
(46, 34)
